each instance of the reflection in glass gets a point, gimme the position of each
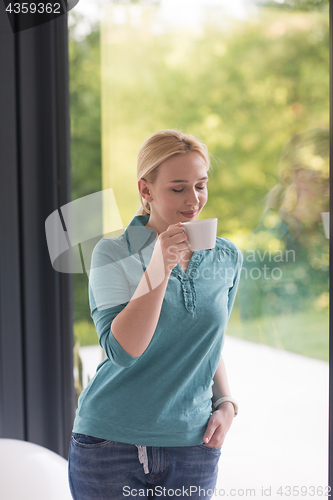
(284, 288)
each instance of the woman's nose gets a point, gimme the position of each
(193, 198)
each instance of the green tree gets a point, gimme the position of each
(85, 112)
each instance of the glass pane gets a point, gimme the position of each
(251, 80)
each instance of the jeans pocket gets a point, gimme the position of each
(210, 448)
(88, 441)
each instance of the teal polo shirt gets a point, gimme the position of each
(163, 397)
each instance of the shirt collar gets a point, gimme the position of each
(137, 235)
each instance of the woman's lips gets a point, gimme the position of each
(189, 214)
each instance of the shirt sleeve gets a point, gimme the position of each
(233, 288)
(109, 293)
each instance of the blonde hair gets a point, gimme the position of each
(158, 148)
(307, 150)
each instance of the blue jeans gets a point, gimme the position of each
(108, 470)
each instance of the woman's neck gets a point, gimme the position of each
(159, 225)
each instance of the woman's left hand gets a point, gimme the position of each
(218, 425)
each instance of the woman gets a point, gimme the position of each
(285, 268)
(144, 425)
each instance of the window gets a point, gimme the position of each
(251, 80)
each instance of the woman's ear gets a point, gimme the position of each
(144, 190)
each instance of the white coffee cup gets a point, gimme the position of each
(201, 234)
(325, 217)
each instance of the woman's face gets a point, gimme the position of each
(313, 191)
(179, 192)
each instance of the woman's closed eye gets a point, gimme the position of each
(180, 190)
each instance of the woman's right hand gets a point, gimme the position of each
(169, 246)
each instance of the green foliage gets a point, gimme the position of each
(305, 333)
(302, 5)
(244, 88)
(85, 112)
(85, 332)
